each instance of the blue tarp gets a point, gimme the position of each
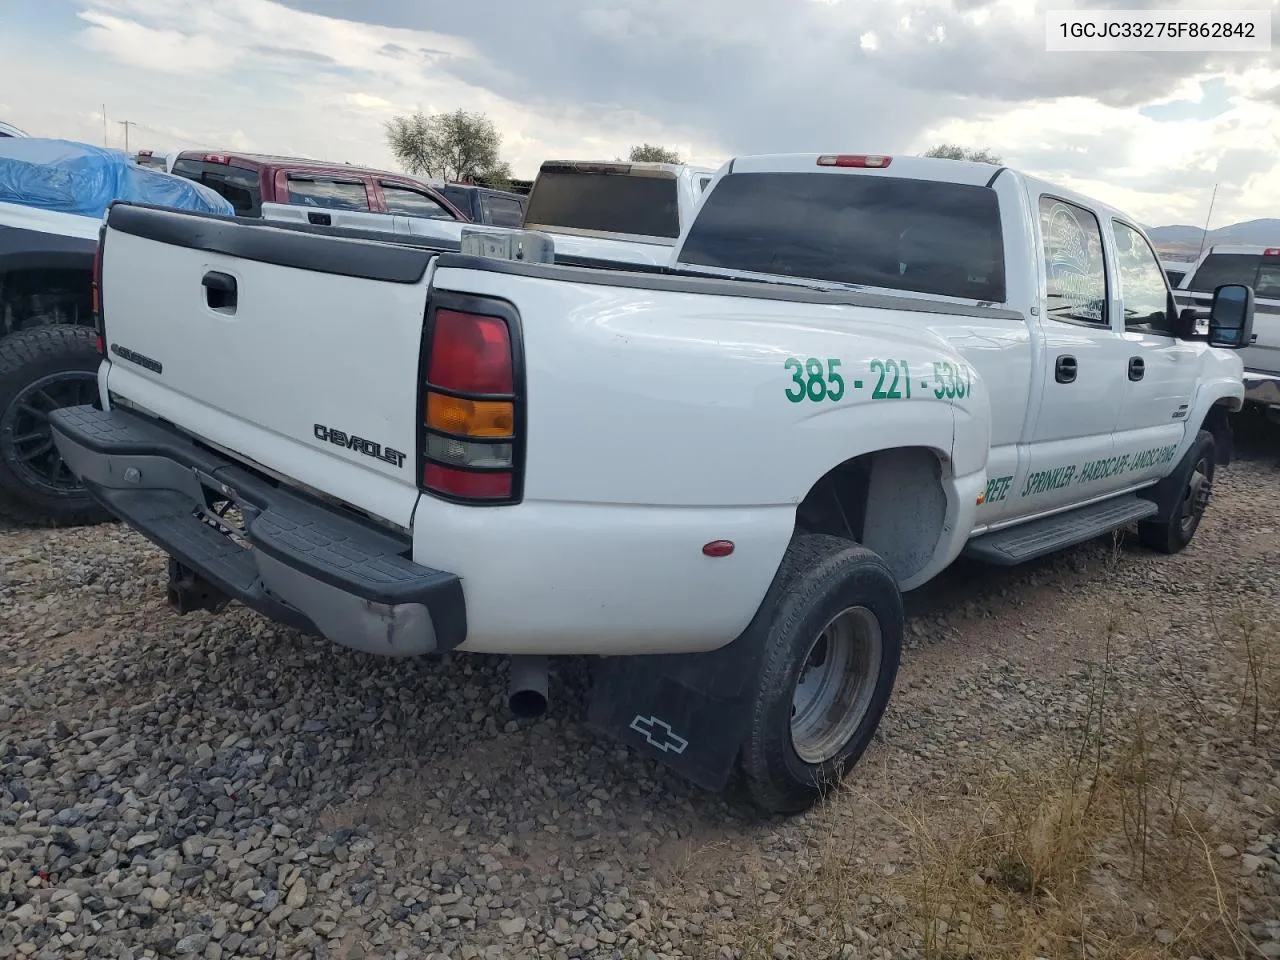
(72, 177)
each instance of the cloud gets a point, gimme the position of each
(160, 49)
(588, 78)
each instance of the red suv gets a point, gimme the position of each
(249, 180)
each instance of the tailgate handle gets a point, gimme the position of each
(320, 219)
(220, 291)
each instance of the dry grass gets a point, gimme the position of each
(1106, 846)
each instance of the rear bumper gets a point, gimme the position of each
(1262, 388)
(302, 563)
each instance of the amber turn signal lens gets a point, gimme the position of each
(470, 418)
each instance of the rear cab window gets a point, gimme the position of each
(1220, 268)
(408, 202)
(1258, 270)
(608, 201)
(331, 193)
(241, 187)
(922, 236)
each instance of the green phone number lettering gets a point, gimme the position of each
(814, 380)
(817, 380)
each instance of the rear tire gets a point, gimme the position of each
(1182, 499)
(830, 659)
(41, 369)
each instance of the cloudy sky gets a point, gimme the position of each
(1151, 133)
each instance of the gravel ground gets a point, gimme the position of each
(216, 786)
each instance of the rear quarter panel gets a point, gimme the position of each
(657, 422)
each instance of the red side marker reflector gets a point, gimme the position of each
(102, 346)
(718, 548)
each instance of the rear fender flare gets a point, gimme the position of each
(957, 436)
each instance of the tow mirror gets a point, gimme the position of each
(1231, 316)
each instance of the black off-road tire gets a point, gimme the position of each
(822, 576)
(43, 368)
(1182, 498)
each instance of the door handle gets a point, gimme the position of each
(220, 291)
(1064, 371)
(1137, 367)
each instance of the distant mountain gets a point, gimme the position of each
(1183, 240)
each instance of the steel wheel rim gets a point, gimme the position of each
(835, 686)
(1195, 498)
(26, 439)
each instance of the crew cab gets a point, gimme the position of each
(1259, 268)
(631, 211)
(717, 478)
(249, 180)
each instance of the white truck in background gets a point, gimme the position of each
(716, 477)
(1259, 268)
(614, 211)
(595, 213)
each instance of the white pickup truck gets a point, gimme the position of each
(1259, 268)
(716, 477)
(615, 211)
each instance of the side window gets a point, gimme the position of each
(1143, 292)
(1075, 272)
(1268, 285)
(240, 187)
(328, 193)
(412, 203)
(459, 197)
(503, 211)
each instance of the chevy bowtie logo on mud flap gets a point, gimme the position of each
(659, 734)
(368, 447)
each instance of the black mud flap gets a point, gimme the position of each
(690, 710)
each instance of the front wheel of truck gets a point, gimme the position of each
(830, 660)
(1182, 498)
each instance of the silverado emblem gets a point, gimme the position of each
(369, 448)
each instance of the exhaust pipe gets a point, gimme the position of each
(527, 687)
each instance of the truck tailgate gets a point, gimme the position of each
(294, 351)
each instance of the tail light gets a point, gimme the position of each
(471, 448)
(1271, 252)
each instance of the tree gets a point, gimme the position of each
(952, 151)
(452, 146)
(653, 153)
